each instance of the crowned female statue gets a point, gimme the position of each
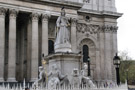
(62, 42)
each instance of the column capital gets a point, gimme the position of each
(35, 16)
(13, 13)
(74, 21)
(2, 11)
(45, 17)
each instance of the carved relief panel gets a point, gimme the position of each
(84, 28)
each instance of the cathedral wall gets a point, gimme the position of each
(89, 26)
(101, 31)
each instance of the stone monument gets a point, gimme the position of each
(62, 42)
(63, 57)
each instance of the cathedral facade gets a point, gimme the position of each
(27, 30)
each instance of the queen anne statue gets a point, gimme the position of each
(62, 42)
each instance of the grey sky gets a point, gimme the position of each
(126, 32)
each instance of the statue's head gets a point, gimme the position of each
(75, 72)
(40, 68)
(85, 66)
(63, 13)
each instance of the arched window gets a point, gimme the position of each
(51, 47)
(85, 53)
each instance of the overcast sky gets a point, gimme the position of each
(126, 24)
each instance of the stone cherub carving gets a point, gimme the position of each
(56, 78)
(86, 80)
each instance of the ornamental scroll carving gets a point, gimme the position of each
(86, 1)
(109, 28)
(94, 29)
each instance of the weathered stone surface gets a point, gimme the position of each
(2, 42)
(12, 46)
(93, 23)
(34, 53)
(66, 62)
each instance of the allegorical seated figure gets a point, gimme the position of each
(86, 80)
(56, 78)
(42, 78)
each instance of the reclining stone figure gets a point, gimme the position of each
(86, 80)
(56, 78)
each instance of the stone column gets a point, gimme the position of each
(108, 49)
(2, 42)
(45, 18)
(29, 49)
(102, 54)
(12, 46)
(34, 52)
(73, 35)
(114, 36)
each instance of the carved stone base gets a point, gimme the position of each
(11, 80)
(33, 79)
(65, 62)
(63, 48)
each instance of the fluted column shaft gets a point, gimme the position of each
(45, 18)
(12, 46)
(2, 42)
(34, 52)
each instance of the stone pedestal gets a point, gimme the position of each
(65, 62)
(66, 47)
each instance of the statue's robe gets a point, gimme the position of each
(62, 32)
